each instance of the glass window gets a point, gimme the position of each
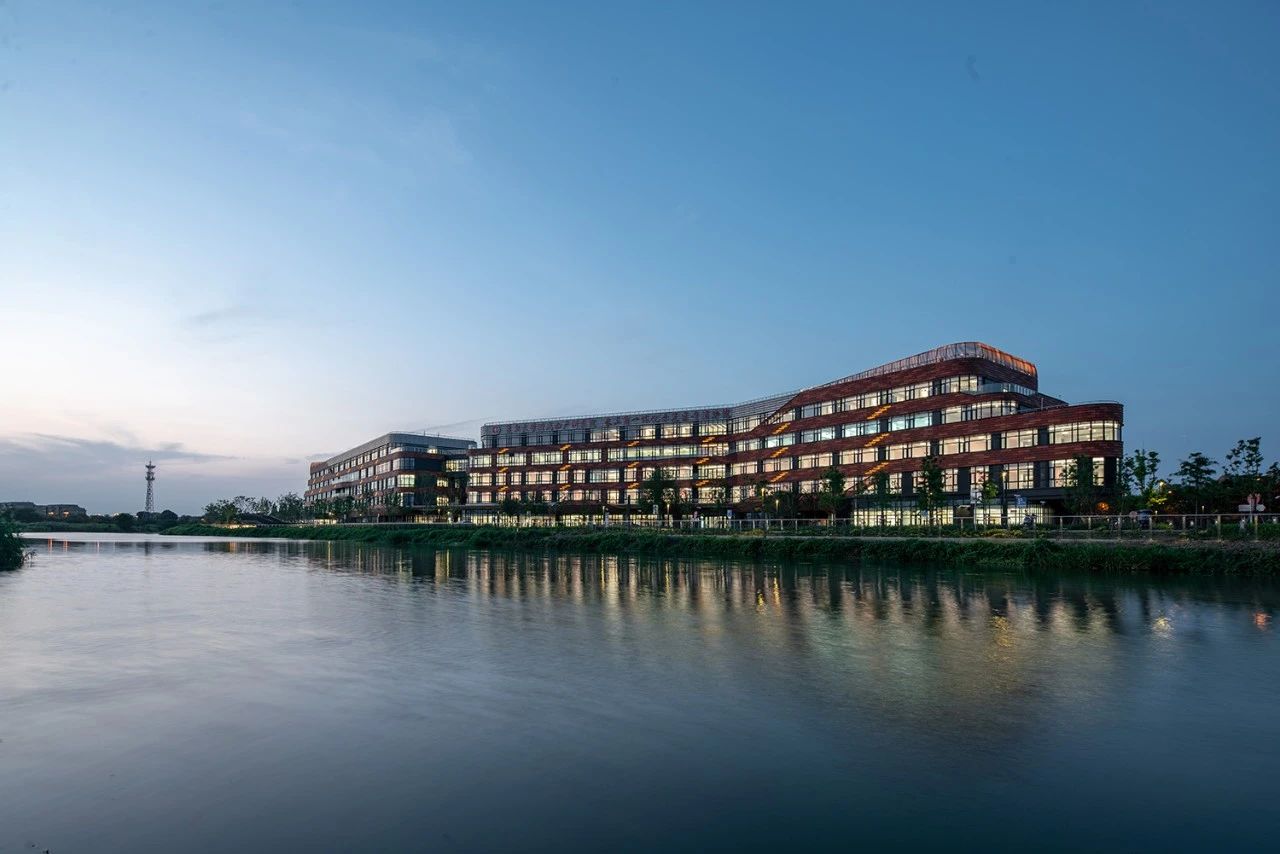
(809, 461)
(861, 428)
(1019, 438)
(1087, 431)
(908, 450)
(813, 410)
(909, 422)
(823, 434)
(1058, 472)
(1020, 476)
(779, 441)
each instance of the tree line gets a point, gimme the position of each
(289, 507)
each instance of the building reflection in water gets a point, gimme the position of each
(995, 652)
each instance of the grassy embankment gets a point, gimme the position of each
(1029, 553)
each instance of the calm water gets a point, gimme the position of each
(212, 696)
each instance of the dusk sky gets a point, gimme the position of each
(238, 236)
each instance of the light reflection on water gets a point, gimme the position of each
(206, 695)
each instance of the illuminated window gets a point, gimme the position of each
(1019, 438)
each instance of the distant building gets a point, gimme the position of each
(53, 511)
(420, 471)
(63, 511)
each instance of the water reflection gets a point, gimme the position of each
(682, 703)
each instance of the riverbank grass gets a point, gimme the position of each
(1029, 553)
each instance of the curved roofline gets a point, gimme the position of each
(945, 353)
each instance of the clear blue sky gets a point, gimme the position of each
(235, 237)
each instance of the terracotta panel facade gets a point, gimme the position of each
(976, 409)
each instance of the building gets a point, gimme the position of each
(977, 410)
(52, 511)
(396, 470)
(63, 511)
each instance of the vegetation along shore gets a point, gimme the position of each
(12, 549)
(1013, 552)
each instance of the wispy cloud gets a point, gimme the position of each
(101, 452)
(230, 314)
(227, 323)
(107, 476)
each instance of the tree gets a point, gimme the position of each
(509, 506)
(881, 497)
(1140, 470)
(123, 521)
(1244, 466)
(320, 508)
(831, 499)
(784, 503)
(1082, 492)
(724, 492)
(1195, 474)
(393, 505)
(932, 490)
(659, 489)
(342, 507)
(12, 550)
(221, 510)
(290, 507)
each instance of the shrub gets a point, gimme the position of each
(12, 550)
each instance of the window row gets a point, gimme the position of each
(1084, 431)
(881, 397)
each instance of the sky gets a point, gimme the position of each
(236, 237)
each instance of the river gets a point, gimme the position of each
(162, 694)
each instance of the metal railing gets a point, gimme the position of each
(1155, 527)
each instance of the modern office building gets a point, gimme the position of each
(976, 409)
(422, 472)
